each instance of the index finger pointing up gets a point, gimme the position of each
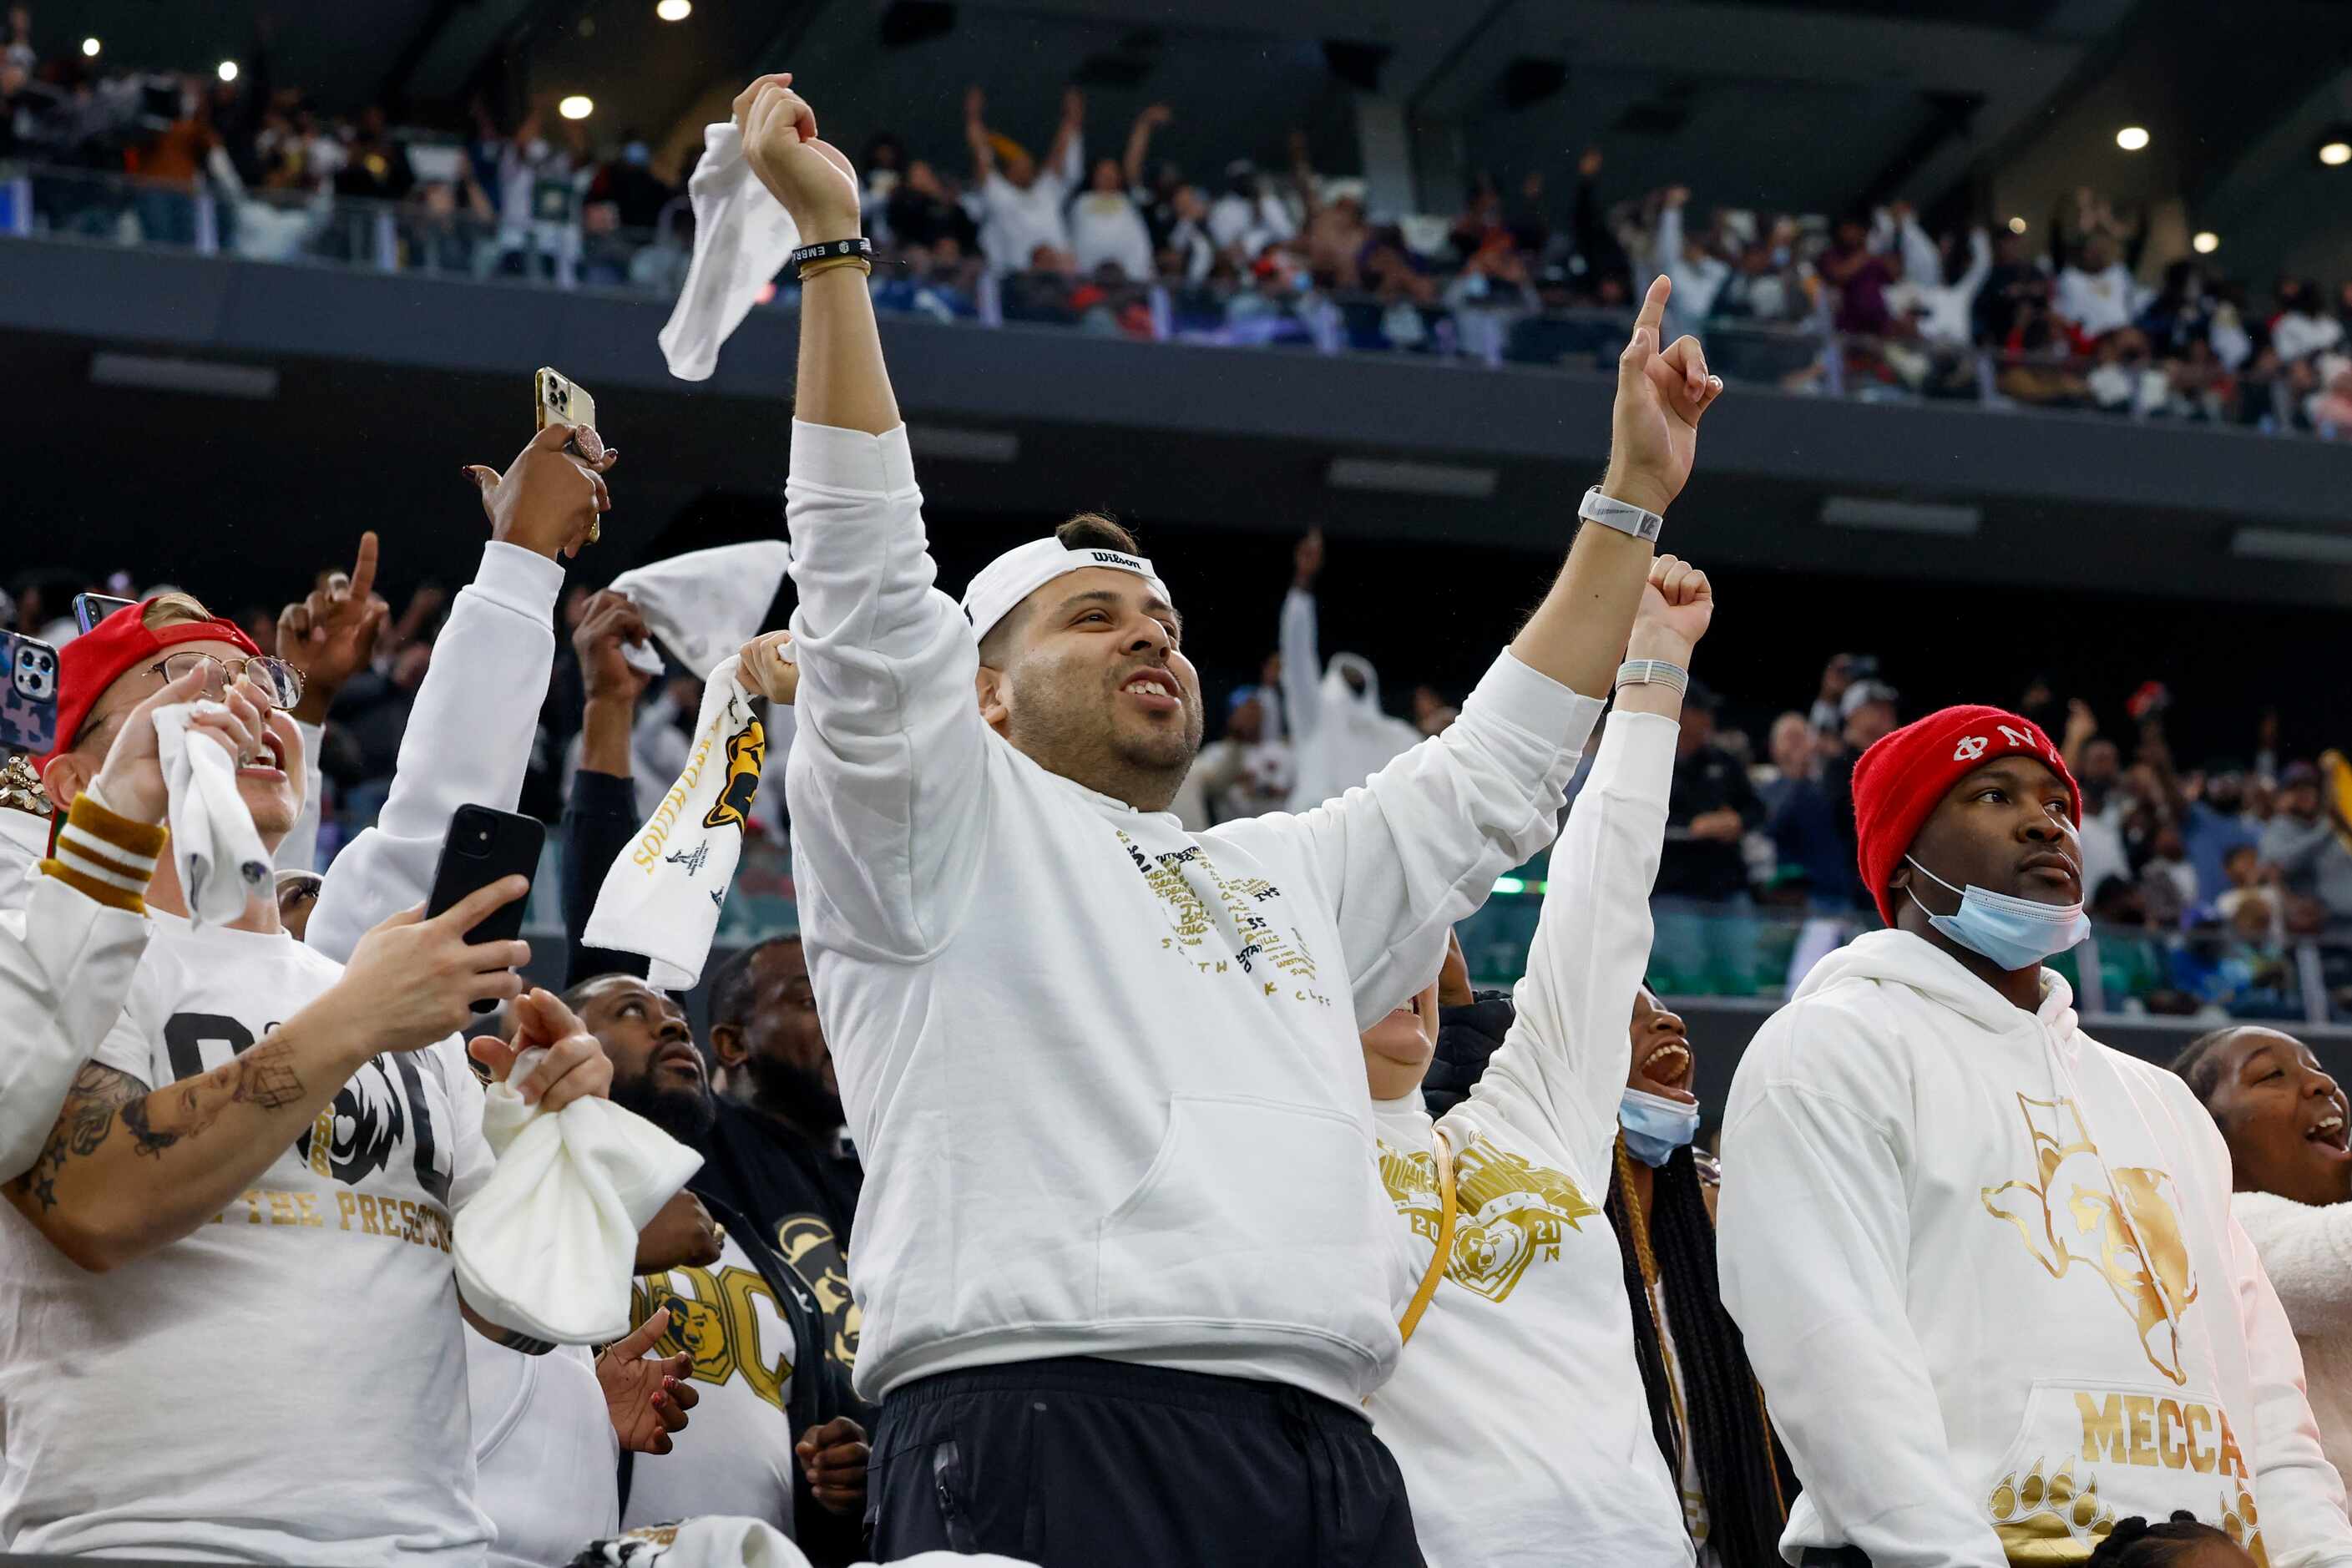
(363, 582)
(1653, 305)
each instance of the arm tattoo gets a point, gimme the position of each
(82, 1126)
(263, 1077)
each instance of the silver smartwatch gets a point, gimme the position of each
(1622, 516)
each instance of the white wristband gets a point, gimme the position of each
(1622, 516)
(1653, 672)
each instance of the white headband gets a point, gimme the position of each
(1022, 570)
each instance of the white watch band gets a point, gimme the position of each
(1622, 516)
(1652, 672)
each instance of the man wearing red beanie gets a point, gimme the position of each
(1984, 1265)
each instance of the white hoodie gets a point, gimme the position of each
(1105, 1073)
(1989, 1281)
(2307, 1253)
(1518, 1414)
(1339, 735)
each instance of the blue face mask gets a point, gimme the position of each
(1655, 1126)
(2016, 933)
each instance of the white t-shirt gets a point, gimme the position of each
(1516, 1412)
(289, 1382)
(735, 1456)
(1105, 226)
(2096, 302)
(545, 1452)
(1019, 221)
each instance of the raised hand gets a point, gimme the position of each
(131, 781)
(834, 1459)
(682, 1234)
(1307, 559)
(768, 667)
(1653, 429)
(810, 178)
(610, 620)
(329, 634)
(548, 500)
(2081, 724)
(575, 1066)
(413, 981)
(646, 1396)
(1677, 605)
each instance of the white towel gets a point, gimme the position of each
(717, 1541)
(705, 604)
(549, 1243)
(214, 846)
(663, 898)
(742, 238)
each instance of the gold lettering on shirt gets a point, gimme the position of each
(2157, 1434)
(718, 1325)
(1188, 885)
(2122, 1222)
(1510, 1211)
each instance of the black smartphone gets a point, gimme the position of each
(484, 846)
(91, 608)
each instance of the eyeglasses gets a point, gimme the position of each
(277, 680)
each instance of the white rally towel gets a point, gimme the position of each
(214, 846)
(663, 898)
(717, 1541)
(705, 604)
(742, 238)
(1352, 738)
(549, 1243)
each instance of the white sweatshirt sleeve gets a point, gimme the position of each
(1923, 263)
(2307, 1253)
(1418, 845)
(1813, 1242)
(66, 960)
(1563, 1062)
(468, 743)
(299, 850)
(1302, 664)
(2302, 1496)
(888, 774)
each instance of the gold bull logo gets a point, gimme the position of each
(747, 753)
(2121, 1222)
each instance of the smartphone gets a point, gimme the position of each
(28, 701)
(561, 401)
(484, 846)
(91, 608)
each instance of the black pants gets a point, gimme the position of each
(1075, 1463)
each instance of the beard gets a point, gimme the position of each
(798, 1095)
(1068, 725)
(685, 1114)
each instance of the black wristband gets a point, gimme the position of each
(830, 250)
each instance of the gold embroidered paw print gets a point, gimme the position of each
(2242, 1524)
(2037, 1508)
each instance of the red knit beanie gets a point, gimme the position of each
(112, 649)
(1901, 780)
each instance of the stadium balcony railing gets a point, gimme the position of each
(568, 253)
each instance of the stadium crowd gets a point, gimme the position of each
(1117, 1165)
(1868, 302)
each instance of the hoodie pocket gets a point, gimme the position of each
(2088, 1454)
(1252, 1212)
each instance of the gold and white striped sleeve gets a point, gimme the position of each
(104, 857)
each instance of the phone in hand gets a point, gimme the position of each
(561, 401)
(28, 694)
(484, 846)
(91, 608)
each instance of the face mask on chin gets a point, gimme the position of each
(2015, 933)
(1655, 1126)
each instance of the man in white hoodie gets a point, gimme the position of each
(1126, 1267)
(1986, 1267)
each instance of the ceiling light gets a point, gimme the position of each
(2335, 154)
(2286, 544)
(674, 10)
(89, 47)
(2017, 225)
(1411, 479)
(1899, 516)
(579, 106)
(227, 70)
(2132, 138)
(2205, 242)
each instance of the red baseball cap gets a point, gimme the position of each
(112, 649)
(1904, 776)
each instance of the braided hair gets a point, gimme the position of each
(1746, 1477)
(2136, 1543)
